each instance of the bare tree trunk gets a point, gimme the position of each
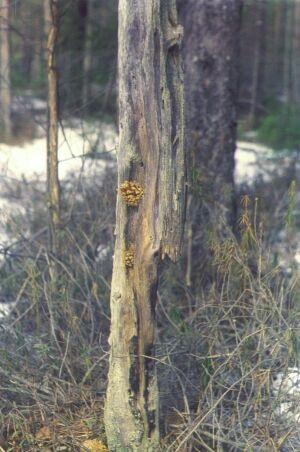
(47, 25)
(287, 62)
(257, 72)
(296, 55)
(211, 55)
(53, 189)
(275, 47)
(5, 89)
(150, 212)
(87, 59)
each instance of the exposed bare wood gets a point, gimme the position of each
(149, 227)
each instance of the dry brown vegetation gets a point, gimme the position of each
(217, 351)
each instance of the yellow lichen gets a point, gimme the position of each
(94, 445)
(132, 192)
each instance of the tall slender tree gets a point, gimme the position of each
(260, 14)
(53, 188)
(296, 55)
(87, 59)
(288, 52)
(5, 87)
(150, 211)
(211, 57)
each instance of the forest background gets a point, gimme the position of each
(227, 315)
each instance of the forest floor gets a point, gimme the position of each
(235, 387)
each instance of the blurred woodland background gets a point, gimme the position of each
(228, 314)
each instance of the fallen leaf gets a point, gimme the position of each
(44, 433)
(94, 445)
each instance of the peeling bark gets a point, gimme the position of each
(151, 127)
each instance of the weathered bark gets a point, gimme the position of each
(53, 189)
(151, 153)
(210, 52)
(5, 89)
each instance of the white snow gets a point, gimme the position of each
(247, 156)
(255, 161)
(286, 388)
(29, 160)
(21, 164)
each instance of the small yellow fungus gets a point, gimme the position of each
(132, 192)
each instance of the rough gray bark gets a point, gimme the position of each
(150, 211)
(5, 89)
(210, 52)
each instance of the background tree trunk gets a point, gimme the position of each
(151, 153)
(5, 89)
(47, 23)
(53, 189)
(210, 54)
(258, 61)
(87, 58)
(296, 55)
(288, 45)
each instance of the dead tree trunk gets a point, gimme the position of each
(210, 52)
(5, 90)
(150, 211)
(53, 189)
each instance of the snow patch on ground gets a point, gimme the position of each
(286, 389)
(247, 156)
(23, 164)
(254, 161)
(29, 161)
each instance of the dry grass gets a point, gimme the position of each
(217, 351)
(229, 343)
